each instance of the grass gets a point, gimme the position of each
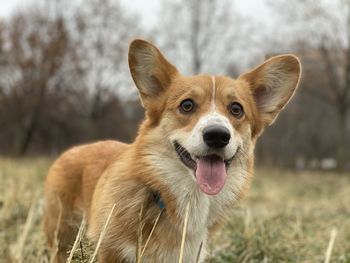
(287, 217)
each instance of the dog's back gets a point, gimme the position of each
(69, 188)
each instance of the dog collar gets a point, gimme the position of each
(158, 200)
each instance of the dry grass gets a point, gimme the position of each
(287, 217)
(184, 233)
(102, 235)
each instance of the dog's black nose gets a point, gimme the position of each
(216, 136)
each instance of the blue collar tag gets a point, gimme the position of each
(158, 200)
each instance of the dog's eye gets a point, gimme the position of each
(187, 106)
(236, 109)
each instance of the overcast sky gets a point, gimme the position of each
(147, 9)
(7, 6)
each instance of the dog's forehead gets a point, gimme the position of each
(208, 86)
(231, 85)
(200, 85)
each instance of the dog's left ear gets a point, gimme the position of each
(273, 84)
(150, 70)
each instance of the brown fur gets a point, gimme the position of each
(88, 180)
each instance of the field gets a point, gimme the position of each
(287, 217)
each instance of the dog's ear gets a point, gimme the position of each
(273, 84)
(150, 70)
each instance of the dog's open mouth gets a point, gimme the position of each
(210, 171)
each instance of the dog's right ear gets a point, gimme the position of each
(150, 70)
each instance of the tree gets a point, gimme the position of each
(101, 32)
(62, 74)
(325, 26)
(207, 36)
(34, 54)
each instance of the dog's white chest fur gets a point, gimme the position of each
(204, 210)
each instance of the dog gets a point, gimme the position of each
(192, 159)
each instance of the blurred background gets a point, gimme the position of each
(64, 76)
(64, 80)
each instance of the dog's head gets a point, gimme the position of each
(208, 122)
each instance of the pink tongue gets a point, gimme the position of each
(211, 174)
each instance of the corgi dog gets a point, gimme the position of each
(192, 159)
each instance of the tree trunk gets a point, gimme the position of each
(30, 129)
(195, 35)
(342, 141)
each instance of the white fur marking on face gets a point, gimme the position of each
(194, 142)
(213, 98)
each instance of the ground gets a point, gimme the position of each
(288, 216)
